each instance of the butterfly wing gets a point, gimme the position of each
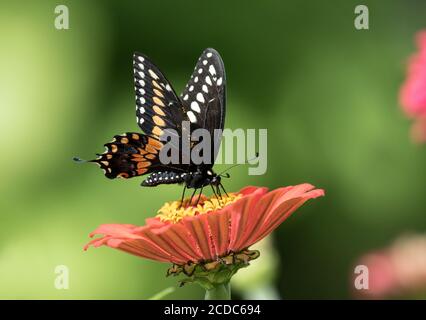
(157, 105)
(130, 155)
(158, 108)
(204, 98)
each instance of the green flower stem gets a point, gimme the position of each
(219, 292)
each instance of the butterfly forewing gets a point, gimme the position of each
(204, 97)
(157, 105)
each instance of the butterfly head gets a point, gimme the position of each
(216, 178)
(213, 177)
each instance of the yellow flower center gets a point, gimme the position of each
(174, 211)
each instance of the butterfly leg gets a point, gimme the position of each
(199, 196)
(214, 192)
(192, 196)
(183, 195)
(221, 185)
(219, 193)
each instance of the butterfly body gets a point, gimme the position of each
(192, 179)
(158, 111)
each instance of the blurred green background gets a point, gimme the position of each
(326, 92)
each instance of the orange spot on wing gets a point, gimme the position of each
(143, 164)
(158, 93)
(158, 101)
(141, 151)
(155, 143)
(158, 110)
(157, 131)
(138, 157)
(150, 149)
(155, 84)
(158, 121)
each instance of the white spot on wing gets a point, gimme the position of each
(141, 59)
(200, 71)
(168, 88)
(219, 81)
(209, 55)
(212, 70)
(142, 100)
(196, 79)
(195, 106)
(185, 97)
(191, 88)
(191, 116)
(153, 74)
(141, 83)
(209, 82)
(142, 110)
(200, 97)
(141, 120)
(205, 88)
(205, 62)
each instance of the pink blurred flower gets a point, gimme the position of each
(413, 92)
(397, 270)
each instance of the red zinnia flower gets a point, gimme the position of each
(413, 91)
(213, 236)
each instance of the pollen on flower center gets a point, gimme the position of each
(175, 211)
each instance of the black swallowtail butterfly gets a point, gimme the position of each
(158, 108)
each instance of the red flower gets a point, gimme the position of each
(413, 91)
(210, 231)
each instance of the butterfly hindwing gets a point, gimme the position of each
(130, 155)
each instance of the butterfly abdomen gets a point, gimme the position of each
(164, 177)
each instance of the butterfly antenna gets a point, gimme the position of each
(237, 164)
